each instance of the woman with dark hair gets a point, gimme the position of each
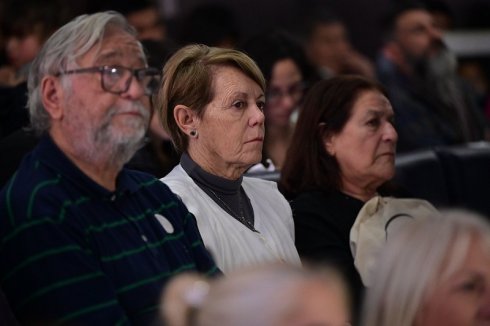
(287, 73)
(342, 151)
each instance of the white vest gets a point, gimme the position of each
(230, 242)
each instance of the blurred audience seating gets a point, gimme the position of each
(266, 175)
(467, 173)
(448, 176)
(421, 175)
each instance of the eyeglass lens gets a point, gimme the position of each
(118, 79)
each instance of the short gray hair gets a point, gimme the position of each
(63, 48)
(438, 244)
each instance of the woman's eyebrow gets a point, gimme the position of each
(379, 112)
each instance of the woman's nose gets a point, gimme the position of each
(257, 117)
(390, 132)
(288, 100)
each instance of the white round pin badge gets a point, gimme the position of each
(167, 226)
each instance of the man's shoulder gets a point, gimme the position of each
(30, 175)
(32, 191)
(151, 191)
(146, 182)
(139, 176)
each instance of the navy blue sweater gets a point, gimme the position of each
(73, 252)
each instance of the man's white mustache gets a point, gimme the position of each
(135, 107)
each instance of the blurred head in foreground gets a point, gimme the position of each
(269, 295)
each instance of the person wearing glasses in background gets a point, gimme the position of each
(287, 73)
(85, 241)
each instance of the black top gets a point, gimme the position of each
(322, 226)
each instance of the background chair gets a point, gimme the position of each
(421, 174)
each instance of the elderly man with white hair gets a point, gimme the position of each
(84, 241)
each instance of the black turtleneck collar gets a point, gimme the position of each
(226, 193)
(206, 179)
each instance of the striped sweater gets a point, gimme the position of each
(72, 252)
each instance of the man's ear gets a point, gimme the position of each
(52, 96)
(186, 119)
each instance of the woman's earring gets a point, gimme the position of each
(193, 133)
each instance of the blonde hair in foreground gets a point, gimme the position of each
(268, 295)
(424, 255)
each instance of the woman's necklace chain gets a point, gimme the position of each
(239, 217)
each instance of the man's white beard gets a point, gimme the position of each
(104, 143)
(442, 66)
(441, 80)
(117, 145)
(436, 67)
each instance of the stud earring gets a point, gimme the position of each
(193, 133)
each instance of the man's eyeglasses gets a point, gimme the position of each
(116, 79)
(295, 91)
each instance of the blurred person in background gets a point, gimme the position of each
(432, 105)
(144, 15)
(328, 47)
(212, 24)
(288, 75)
(25, 25)
(472, 69)
(435, 272)
(147, 19)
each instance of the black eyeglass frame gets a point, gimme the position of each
(139, 73)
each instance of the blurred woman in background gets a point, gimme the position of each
(288, 75)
